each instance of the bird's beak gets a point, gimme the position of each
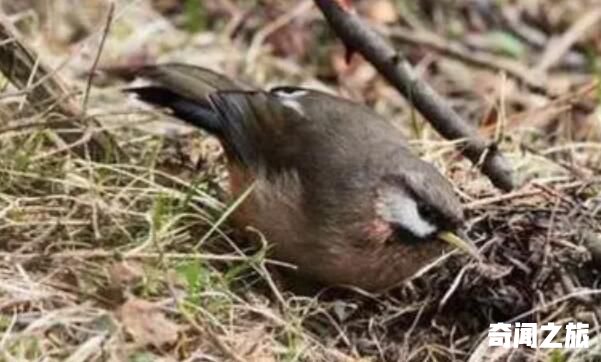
(459, 243)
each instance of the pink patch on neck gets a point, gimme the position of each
(378, 231)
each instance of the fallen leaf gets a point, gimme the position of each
(345, 4)
(147, 323)
(125, 274)
(379, 11)
(255, 344)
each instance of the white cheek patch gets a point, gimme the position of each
(397, 208)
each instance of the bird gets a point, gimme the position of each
(334, 187)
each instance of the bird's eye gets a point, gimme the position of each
(425, 210)
(430, 213)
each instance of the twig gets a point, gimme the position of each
(359, 37)
(554, 193)
(556, 49)
(453, 287)
(85, 138)
(103, 254)
(558, 105)
(518, 194)
(215, 339)
(455, 50)
(18, 62)
(105, 33)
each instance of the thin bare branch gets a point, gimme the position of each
(45, 90)
(357, 36)
(455, 50)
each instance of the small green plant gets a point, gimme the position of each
(143, 357)
(557, 356)
(196, 17)
(196, 277)
(595, 65)
(26, 349)
(507, 44)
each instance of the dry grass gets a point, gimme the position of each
(134, 261)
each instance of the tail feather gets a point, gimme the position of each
(186, 80)
(198, 113)
(204, 99)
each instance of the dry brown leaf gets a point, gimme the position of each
(125, 274)
(345, 4)
(147, 323)
(167, 6)
(357, 76)
(379, 11)
(255, 345)
(292, 40)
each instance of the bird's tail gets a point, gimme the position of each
(182, 88)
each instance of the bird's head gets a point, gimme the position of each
(421, 205)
